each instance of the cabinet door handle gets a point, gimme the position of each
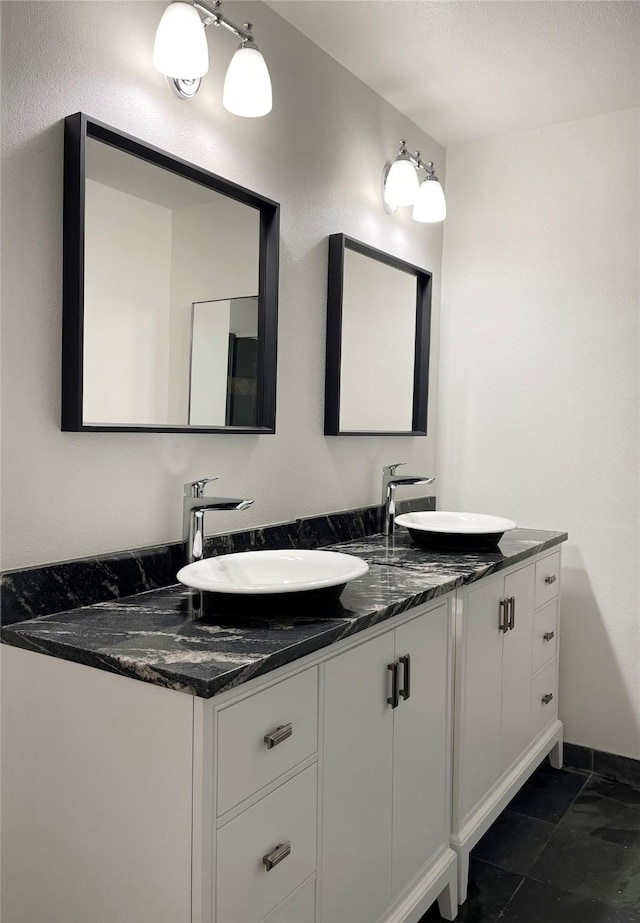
(276, 855)
(548, 636)
(512, 612)
(276, 737)
(394, 700)
(550, 579)
(504, 615)
(547, 698)
(405, 692)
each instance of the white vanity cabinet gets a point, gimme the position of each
(300, 796)
(334, 789)
(506, 694)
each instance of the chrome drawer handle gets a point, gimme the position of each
(550, 579)
(548, 636)
(276, 737)
(547, 698)
(276, 855)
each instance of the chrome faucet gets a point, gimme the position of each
(391, 480)
(195, 505)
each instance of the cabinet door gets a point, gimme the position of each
(481, 684)
(420, 817)
(357, 784)
(516, 667)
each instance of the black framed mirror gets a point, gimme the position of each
(378, 337)
(146, 237)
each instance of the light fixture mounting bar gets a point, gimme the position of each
(419, 164)
(416, 160)
(216, 18)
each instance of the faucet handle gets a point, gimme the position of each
(196, 488)
(391, 469)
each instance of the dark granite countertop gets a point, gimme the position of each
(158, 638)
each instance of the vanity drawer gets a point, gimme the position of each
(544, 697)
(547, 579)
(246, 763)
(545, 635)
(245, 890)
(299, 908)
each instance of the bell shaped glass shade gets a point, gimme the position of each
(401, 186)
(430, 205)
(247, 85)
(180, 49)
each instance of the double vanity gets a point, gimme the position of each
(176, 756)
(331, 762)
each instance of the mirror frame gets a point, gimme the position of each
(335, 291)
(79, 127)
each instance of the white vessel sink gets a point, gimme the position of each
(441, 530)
(272, 572)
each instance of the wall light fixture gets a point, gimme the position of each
(181, 53)
(401, 186)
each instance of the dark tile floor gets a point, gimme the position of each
(565, 850)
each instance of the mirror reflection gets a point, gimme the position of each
(170, 291)
(378, 318)
(154, 244)
(379, 323)
(224, 357)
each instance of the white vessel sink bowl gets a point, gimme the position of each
(273, 572)
(447, 531)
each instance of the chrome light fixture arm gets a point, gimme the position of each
(415, 159)
(214, 17)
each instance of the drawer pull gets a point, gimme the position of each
(276, 737)
(548, 636)
(550, 579)
(512, 612)
(405, 692)
(547, 698)
(276, 855)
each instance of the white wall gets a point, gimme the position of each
(126, 308)
(539, 387)
(320, 154)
